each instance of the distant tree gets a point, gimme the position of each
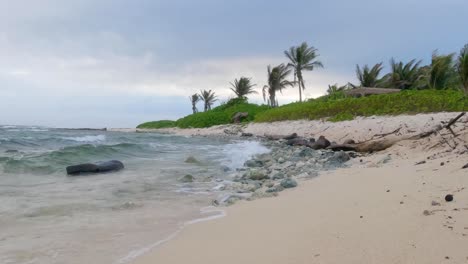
(208, 97)
(442, 74)
(242, 87)
(194, 99)
(369, 77)
(462, 68)
(302, 58)
(276, 83)
(404, 76)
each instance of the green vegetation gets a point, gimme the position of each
(369, 77)
(405, 102)
(243, 87)
(194, 99)
(221, 115)
(157, 124)
(462, 68)
(276, 83)
(208, 97)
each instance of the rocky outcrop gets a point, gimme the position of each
(237, 118)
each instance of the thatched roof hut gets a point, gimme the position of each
(366, 91)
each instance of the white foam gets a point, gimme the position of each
(238, 153)
(132, 255)
(96, 138)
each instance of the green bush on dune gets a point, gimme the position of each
(405, 102)
(157, 124)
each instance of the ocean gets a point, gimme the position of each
(49, 217)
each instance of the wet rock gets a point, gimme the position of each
(255, 175)
(191, 159)
(225, 168)
(449, 198)
(98, 167)
(278, 176)
(288, 183)
(186, 179)
(289, 137)
(297, 142)
(253, 163)
(229, 199)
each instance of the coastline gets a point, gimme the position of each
(378, 210)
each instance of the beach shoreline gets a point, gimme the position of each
(386, 207)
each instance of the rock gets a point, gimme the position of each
(246, 135)
(344, 147)
(349, 141)
(269, 184)
(449, 198)
(297, 142)
(420, 162)
(278, 176)
(275, 189)
(191, 159)
(465, 167)
(281, 160)
(442, 164)
(289, 137)
(253, 163)
(187, 178)
(385, 159)
(340, 157)
(230, 199)
(434, 203)
(256, 175)
(98, 167)
(237, 118)
(288, 183)
(321, 143)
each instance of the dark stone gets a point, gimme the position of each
(449, 198)
(98, 167)
(246, 135)
(288, 183)
(420, 162)
(187, 178)
(237, 118)
(442, 164)
(297, 142)
(321, 143)
(311, 140)
(349, 141)
(465, 167)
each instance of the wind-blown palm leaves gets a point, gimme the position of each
(302, 58)
(194, 99)
(404, 76)
(442, 73)
(276, 83)
(462, 67)
(369, 77)
(208, 97)
(242, 87)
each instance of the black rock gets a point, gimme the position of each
(321, 143)
(449, 198)
(297, 142)
(465, 167)
(98, 167)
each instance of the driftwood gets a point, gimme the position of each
(278, 137)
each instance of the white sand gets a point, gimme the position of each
(372, 212)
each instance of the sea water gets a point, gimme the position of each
(49, 217)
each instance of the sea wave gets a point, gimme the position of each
(89, 138)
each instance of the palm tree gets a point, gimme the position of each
(369, 77)
(404, 76)
(462, 67)
(209, 98)
(442, 74)
(195, 98)
(276, 82)
(242, 87)
(302, 58)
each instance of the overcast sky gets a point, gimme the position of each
(117, 63)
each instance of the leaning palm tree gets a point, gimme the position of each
(276, 83)
(302, 58)
(242, 87)
(208, 97)
(404, 76)
(369, 77)
(462, 67)
(194, 99)
(442, 74)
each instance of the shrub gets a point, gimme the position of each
(157, 124)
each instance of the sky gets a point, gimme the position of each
(118, 63)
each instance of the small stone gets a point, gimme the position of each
(281, 160)
(187, 178)
(255, 175)
(253, 163)
(420, 162)
(442, 164)
(427, 212)
(361, 216)
(401, 202)
(449, 198)
(288, 183)
(434, 203)
(465, 167)
(388, 190)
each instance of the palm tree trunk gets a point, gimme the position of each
(272, 99)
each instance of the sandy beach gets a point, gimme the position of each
(388, 207)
